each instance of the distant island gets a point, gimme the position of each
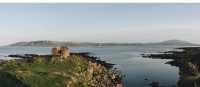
(47, 43)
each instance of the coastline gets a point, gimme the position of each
(188, 62)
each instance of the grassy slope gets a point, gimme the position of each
(40, 72)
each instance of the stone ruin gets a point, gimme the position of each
(61, 52)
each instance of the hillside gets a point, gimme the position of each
(48, 43)
(60, 43)
(175, 42)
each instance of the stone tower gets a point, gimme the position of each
(61, 52)
(64, 52)
(56, 51)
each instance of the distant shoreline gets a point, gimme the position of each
(45, 43)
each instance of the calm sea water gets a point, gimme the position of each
(127, 58)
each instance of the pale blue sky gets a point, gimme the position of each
(99, 22)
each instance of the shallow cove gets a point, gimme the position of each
(128, 59)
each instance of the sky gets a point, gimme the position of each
(99, 22)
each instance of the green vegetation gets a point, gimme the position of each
(74, 71)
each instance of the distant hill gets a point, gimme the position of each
(48, 43)
(175, 42)
(60, 43)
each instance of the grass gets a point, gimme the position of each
(42, 72)
(75, 71)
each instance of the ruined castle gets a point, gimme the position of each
(61, 52)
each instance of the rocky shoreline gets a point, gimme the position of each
(187, 60)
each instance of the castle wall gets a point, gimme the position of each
(62, 52)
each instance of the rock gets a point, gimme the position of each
(146, 79)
